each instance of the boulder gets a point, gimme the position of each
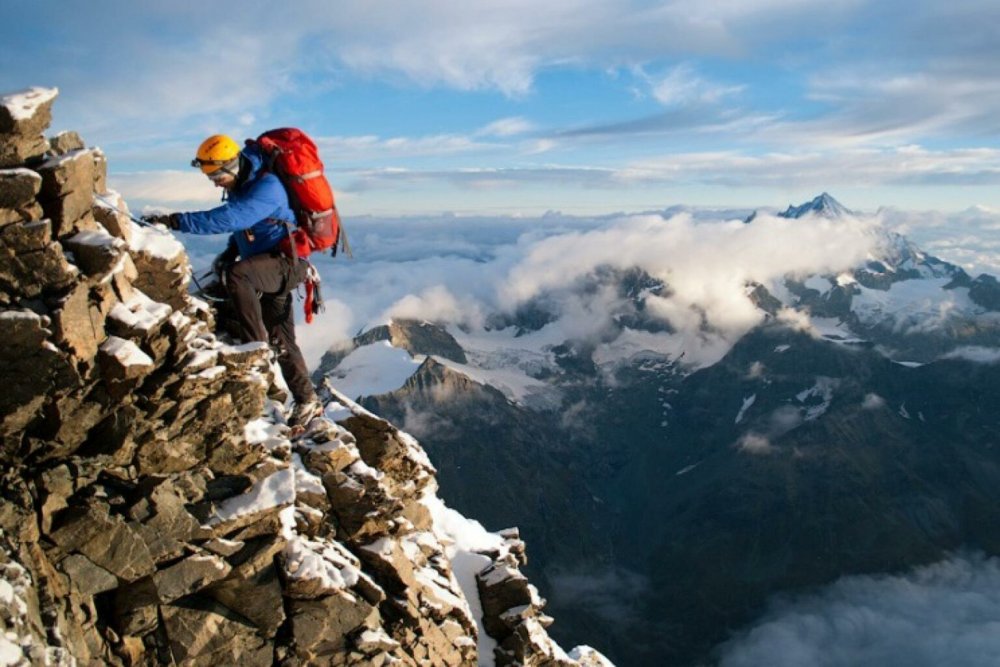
(18, 187)
(16, 150)
(27, 112)
(66, 173)
(78, 325)
(189, 576)
(321, 627)
(203, 633)
(253, 588)
(97, 252)
(105, 539)
(65, 142)
(111, 213)
(86, 577)
(27, 236)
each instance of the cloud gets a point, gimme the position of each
(943, 614)
(873, 402)
(754, 443)
(178, 190)
(506, 127)
(979, 355)
(681, 86)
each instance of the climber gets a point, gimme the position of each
(258, 277)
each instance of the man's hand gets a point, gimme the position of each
(168, 220)
(224, 260)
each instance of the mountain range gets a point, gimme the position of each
(673, 478)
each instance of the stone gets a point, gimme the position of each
(201, 632)
(171, 527)
(70, 213)
(97, 252)
(121, 359)
(189, 576)
(100, 171)
(253, 588)
(27, 236)
(502, 587)
(111, 213)
(18, 187)
(28, 213)
(374, 641)
(77, 324)
(32, 273)
(105, 539)
(17, 150)
(65, 142)
(136, 609)
(321, 626)
(86, 577)
(27, 112)
(63, 174)
(30, 367)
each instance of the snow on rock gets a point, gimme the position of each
(747, 403)
(140, 313)
(23, 105)
(275, 490)
(156, 242)
(126, 352)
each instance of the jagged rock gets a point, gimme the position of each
(502, 587)
(204, 633)
(97, 252)
(66, 173)
(111, 213)
(30, 212)
(253, 589)
(104, 539)
(27, 236)
(152, 491)
(18, 187)
(122, 359)
(189, 576)
(16, 150)
(27, 112)
(28, 274)
(86, 577)
(100, 171)
(321, 626)
(65, 142)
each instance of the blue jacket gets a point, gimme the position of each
(255, 211)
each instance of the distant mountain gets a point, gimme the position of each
(667, 499)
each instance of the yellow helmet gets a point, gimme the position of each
(217, 152)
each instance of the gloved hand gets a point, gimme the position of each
(169, 220)
(224, 260)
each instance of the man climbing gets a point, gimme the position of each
(258, 276)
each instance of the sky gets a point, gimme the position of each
(514, 107)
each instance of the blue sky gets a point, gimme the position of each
(519, 107)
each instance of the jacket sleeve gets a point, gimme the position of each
(258, 203)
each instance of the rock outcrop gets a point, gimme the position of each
(154, 509)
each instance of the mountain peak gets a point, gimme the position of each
(824, 205)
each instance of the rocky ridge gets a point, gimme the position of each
(154, 510)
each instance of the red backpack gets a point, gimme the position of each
(292, 156)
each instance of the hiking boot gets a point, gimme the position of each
(305, 413)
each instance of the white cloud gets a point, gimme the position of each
(980, 355)
(754, 443)
(177, 190)
(943, 614)
(507, 127)
(682, 86)
(873, 402)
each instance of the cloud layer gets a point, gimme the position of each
(943, 614)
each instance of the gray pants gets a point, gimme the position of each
(261, 289)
